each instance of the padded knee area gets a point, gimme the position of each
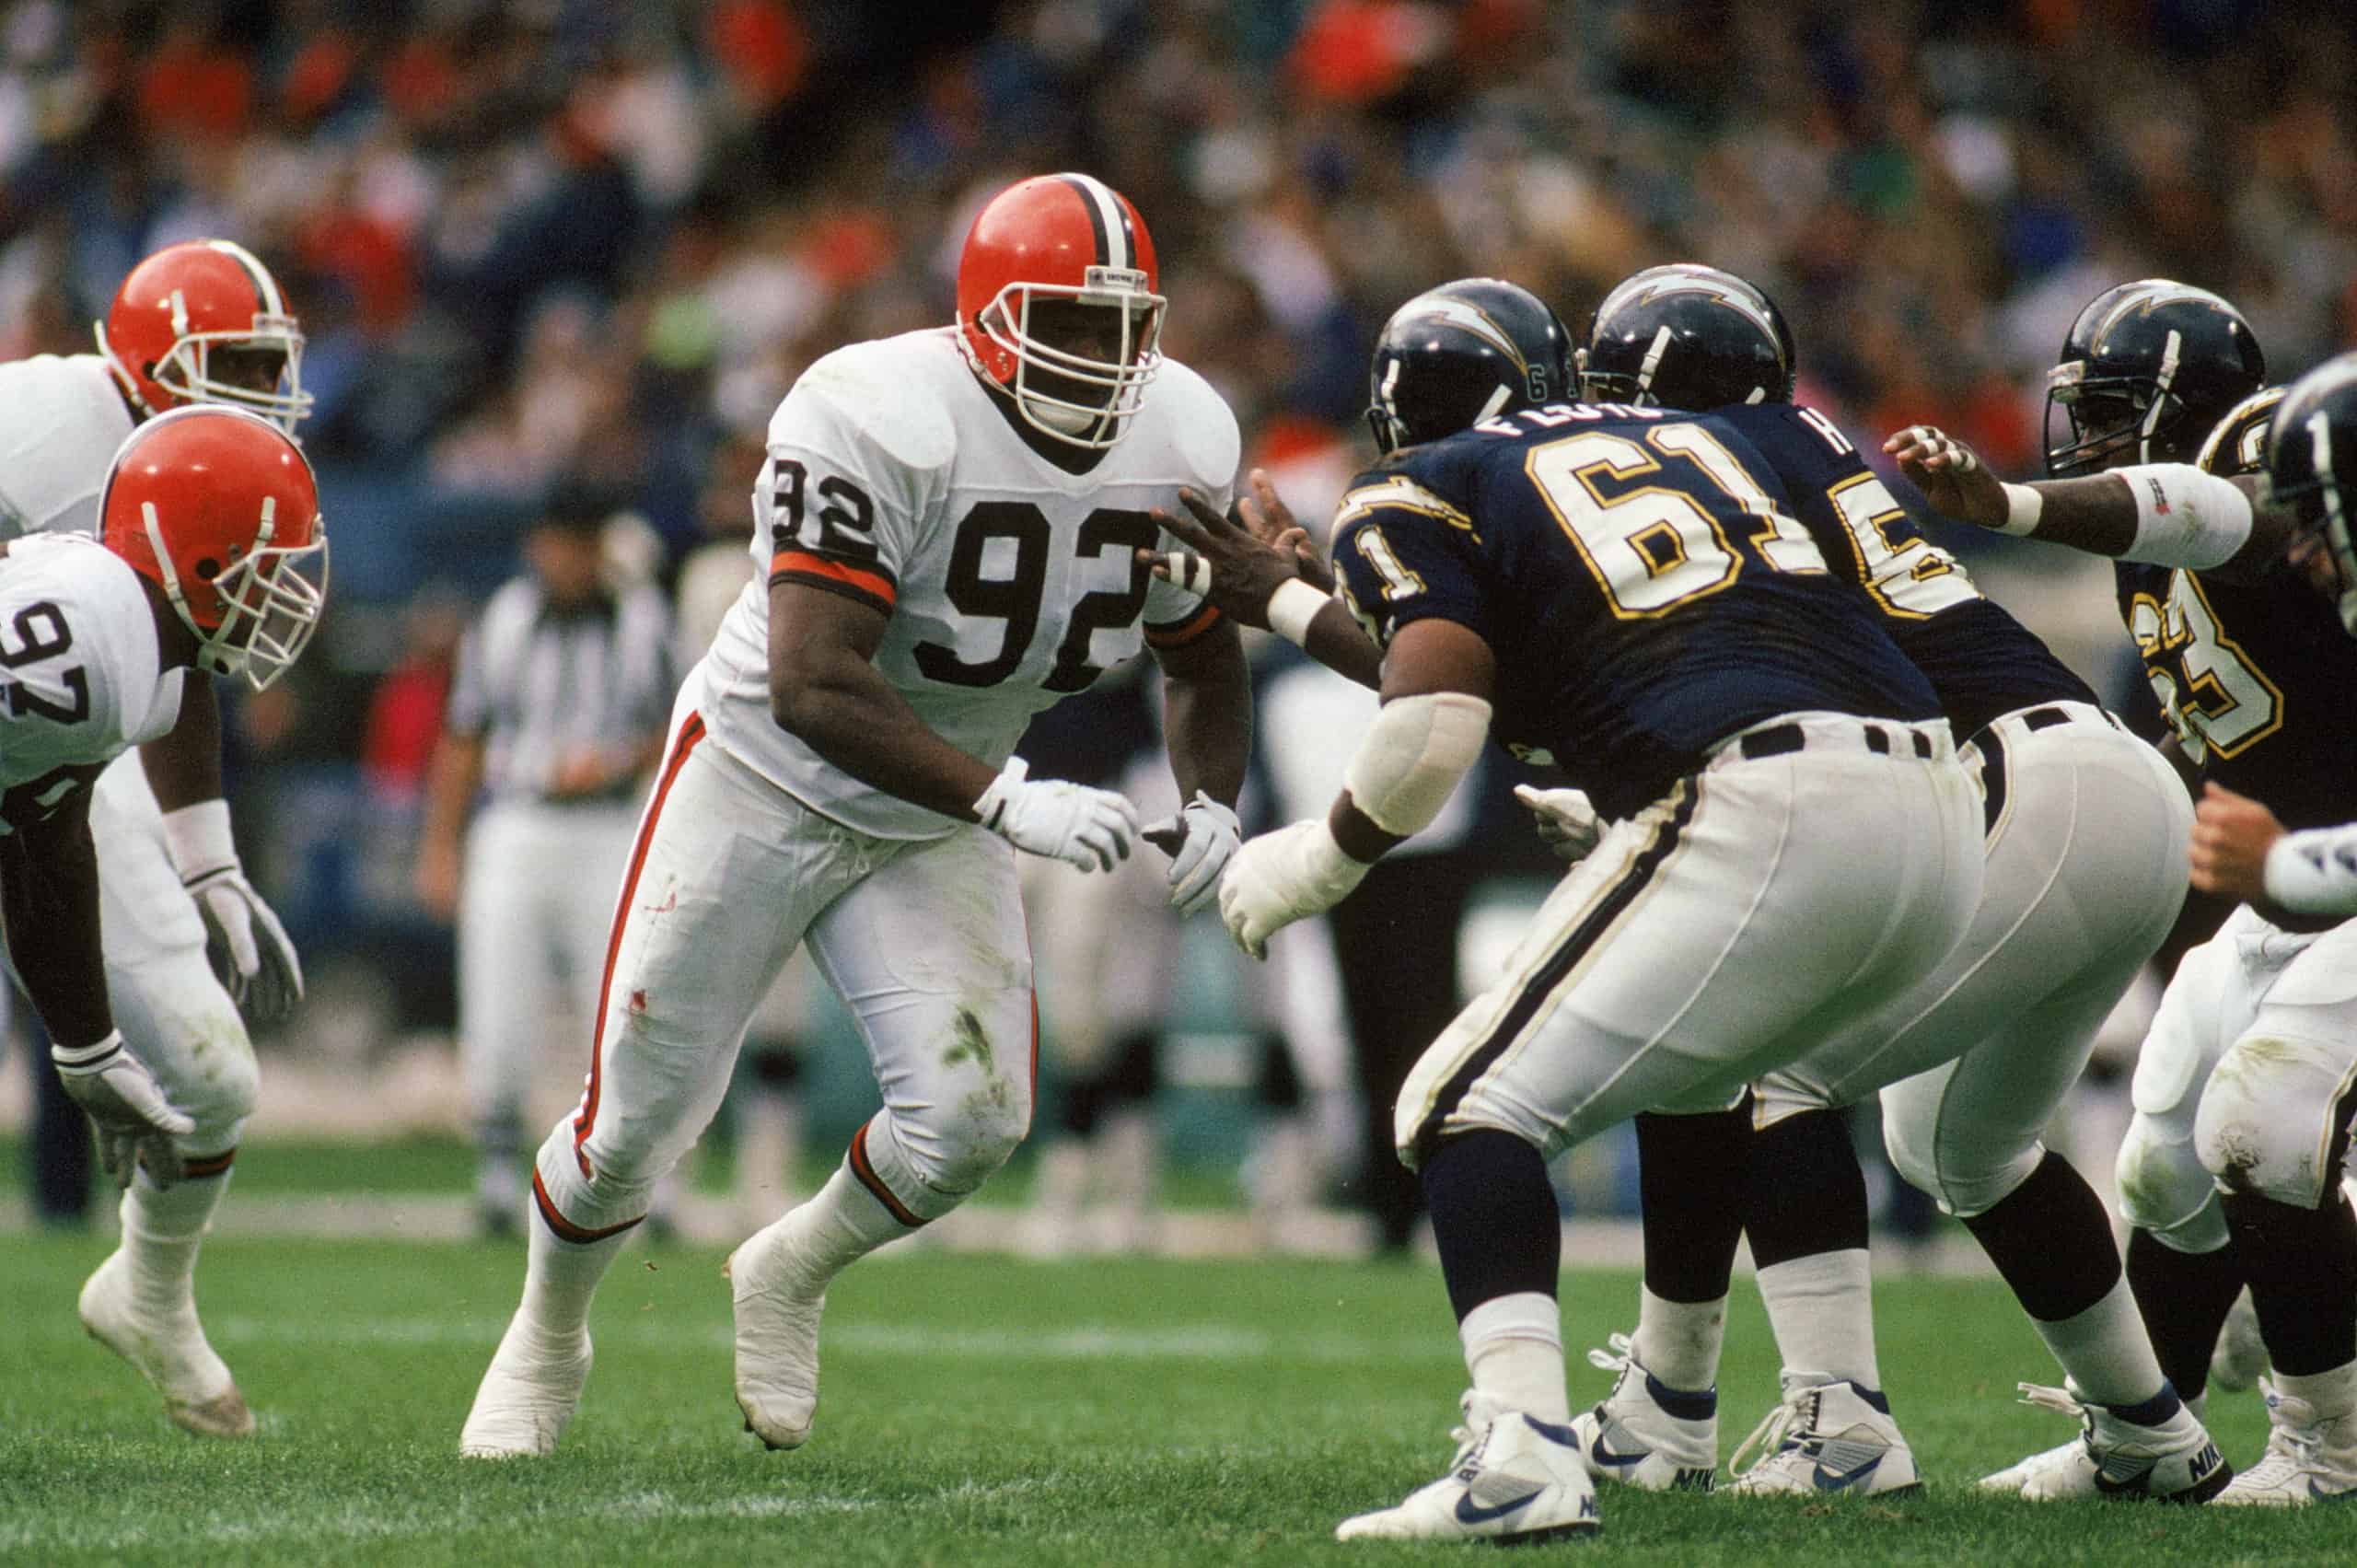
(1966, 1181)
(2165, 1189)
(2272, 1116)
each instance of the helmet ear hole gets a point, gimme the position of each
(207, 569)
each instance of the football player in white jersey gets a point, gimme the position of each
(208, 519)
(189, 946)
(949, 521)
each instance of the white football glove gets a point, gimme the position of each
(1282, 877)
(1207, 836)
(1566, 822)
(249, 950)
(1088, 827)
(135, 1125)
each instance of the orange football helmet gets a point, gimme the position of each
(219, 509)
(184, 305)
(1061, 237)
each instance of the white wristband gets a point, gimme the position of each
(2184, 517)
(85, 1058)
(198, 839)
(1290, 609)
(2315, 871)
(2023, 505)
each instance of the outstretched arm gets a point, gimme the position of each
(825, 687)
(249, 950)
(49, 899)
(1207, 723)
(1435, 715)
(1257, 575)
(2165, 514)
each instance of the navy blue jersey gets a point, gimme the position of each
(1640, 578)
(1980, 659)
(2260, 682)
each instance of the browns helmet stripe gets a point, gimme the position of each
(265, 287)
(1108, 221)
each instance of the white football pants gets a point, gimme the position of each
(1757, 908)
(2244, 1078)
(2087, 828)
(922, 939)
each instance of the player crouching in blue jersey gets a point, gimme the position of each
(2249, 1059)
(1623, 593)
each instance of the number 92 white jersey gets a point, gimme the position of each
(1010, 583)
(80, 681)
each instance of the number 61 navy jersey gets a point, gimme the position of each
(1641, 579)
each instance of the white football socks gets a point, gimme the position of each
(561, 1278)
(2331, 1394)
(1514, 1347)
(842, 1225)
(162, 1230)
(1822, 1310)
(1679, 1341)
(2106, 1352)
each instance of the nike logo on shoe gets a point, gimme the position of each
(1604, 1456)
(1829, 1480)
(1472, 1513)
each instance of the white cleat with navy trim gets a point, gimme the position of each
(1645, 1433)
(1515, 1479)
(2171, 1459)
(1827, 1437)
(777, 1336)
(2309, 1460)
(528, 1394)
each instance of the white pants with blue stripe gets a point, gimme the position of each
(1761, 906)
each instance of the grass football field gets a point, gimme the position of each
(976, 1411)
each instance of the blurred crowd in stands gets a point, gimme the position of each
(535, 241)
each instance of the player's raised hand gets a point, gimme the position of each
(1282, 877)
(135, 1125)
(1950, 474)
(2232, 834)
(1200, 839)
(1272, 522)
(1088, 827)
(1228, 565)
(1566, 821)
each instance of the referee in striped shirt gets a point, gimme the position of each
(558, 710)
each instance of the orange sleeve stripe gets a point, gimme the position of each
(802, 563)
(1186, 631)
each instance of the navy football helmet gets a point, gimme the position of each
(2312, 467)
(1687, 336)
(2149, 368)
(2238, 443)
(1462, 353)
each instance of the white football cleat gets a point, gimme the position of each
(528, 1396)
(2173, 1460)
(1646, 1433)
(1828, 1436)
(1515, 1479)
(2240, 1359)
(2308, 1459)
(777, 1338)
(171, 1352)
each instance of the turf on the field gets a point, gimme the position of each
(977, 1410)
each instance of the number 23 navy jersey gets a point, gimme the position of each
(1639, 576)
